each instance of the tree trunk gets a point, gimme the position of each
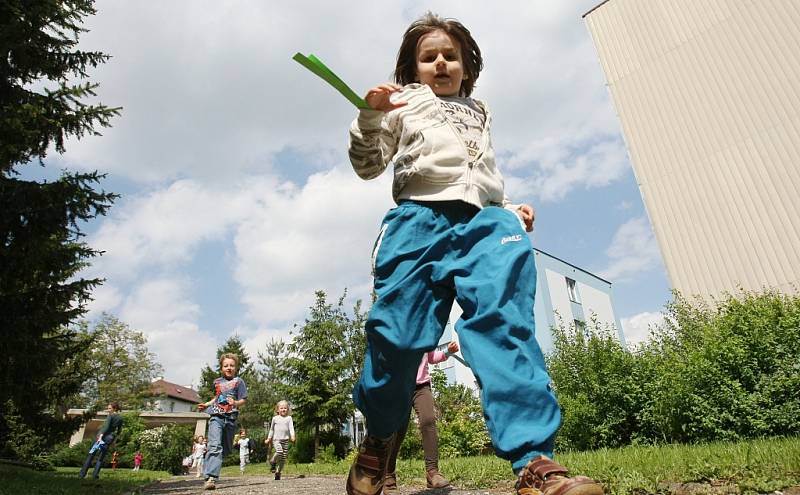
(316, 443)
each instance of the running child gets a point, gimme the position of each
(454, 235)
(281, 432)
(230, 393)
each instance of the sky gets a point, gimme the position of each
(238, 201)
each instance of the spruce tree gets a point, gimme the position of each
(43, 94)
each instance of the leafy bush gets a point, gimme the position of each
(23, 443)
(165, 447)
(461, 427)
(66, 456)
(599, 387)
(411, 448)
(727, 370)
(303, 449)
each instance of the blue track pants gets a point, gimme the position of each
(427, 255)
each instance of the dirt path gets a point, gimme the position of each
(289, 485)
(334, 485)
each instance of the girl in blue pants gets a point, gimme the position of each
(453, 236)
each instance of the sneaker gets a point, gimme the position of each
(543, 476)
(210, 484)
(436, 480)
(369, 468)
(273, 466)
(390, 482)
(277, 476)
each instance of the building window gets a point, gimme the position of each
(573, 291)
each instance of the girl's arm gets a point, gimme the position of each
(373, 139)
(291, 429)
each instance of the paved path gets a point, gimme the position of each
(289, 485)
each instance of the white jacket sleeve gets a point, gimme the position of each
(373, 143)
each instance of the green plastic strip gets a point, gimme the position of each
(316, 66)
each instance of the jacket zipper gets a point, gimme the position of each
(470, 163)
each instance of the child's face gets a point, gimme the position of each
(228, 368)
(439, 63)
(283, 409)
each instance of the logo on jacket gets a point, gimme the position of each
(511, 238)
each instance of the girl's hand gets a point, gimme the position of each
(527, 214)
(379, 97)
(452, 347)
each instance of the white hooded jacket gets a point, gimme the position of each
(431, 160)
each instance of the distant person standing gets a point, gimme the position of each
(105, 437)
(198, 453)
(281, 432)
(114, 460)
(137, 460)
(244, 450)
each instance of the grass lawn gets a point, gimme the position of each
(761, 466)
(64, 481)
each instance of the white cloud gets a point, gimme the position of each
(633, 251)
(162, 309)
(164, 226)
(637, 327)
(221, 95)
(565, 164)
(317, 237)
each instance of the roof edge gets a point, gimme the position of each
(594, 8)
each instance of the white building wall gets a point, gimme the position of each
(163, 405)
(708, 94)
(559, 296)
(598, 303)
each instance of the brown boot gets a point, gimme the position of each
(390, 482)
(436, 480)
(369, 468)
(543, 476)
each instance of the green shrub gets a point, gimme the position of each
(303, 449)
(411, 448)
(727, 370)
(66, 456)
(461, 427)
(599, 387)
(165, 447)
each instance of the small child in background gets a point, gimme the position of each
(281, 432)
(186, 464)
(198, 453)
(137, 460)
(244, 449)
(426, 415)
(114, 460)
(230, 393)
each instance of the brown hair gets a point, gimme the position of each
(405, 72)
(229, 355)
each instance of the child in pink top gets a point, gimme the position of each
(424, 407)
